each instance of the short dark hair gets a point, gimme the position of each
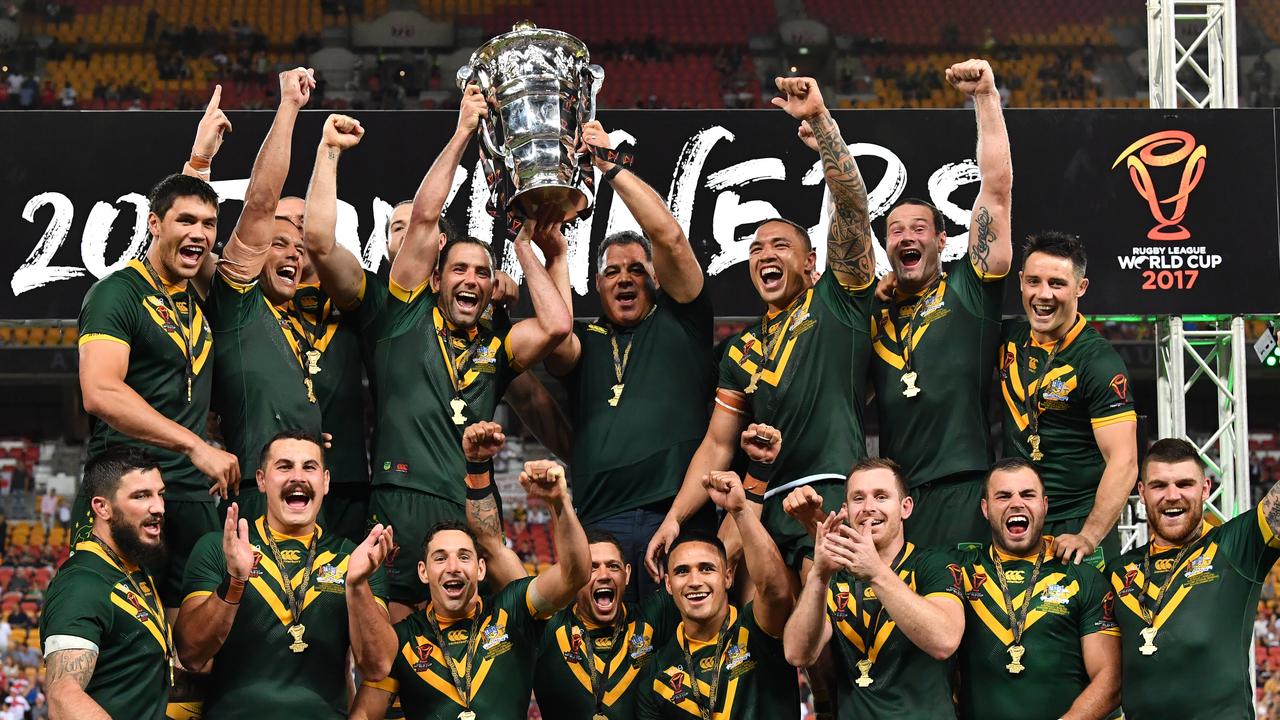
(387, 229)
(697, 536)
(1172, 450)
(939, 224)
(600, 536)
(881, 463)
(103, 472)
(448, 229)
(1057, 244)
(801, 230)
(168, 190)
(444, 525)
(1010, 464)
(626, 237)
(293, 434)
(456, 240)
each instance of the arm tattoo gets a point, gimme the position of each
(1271, 508)
(984, 236)
(849, 252)
(484, 517)
(78, 664)
(333, 154)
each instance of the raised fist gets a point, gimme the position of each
(761, 442)
(342, 132)
(801, 97)
(544, 479)
(972, 77)
(725, 489)
(296, 86)
(481, 441)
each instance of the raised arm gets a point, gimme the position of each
(674, 262)
(204, 619)
(990, 241)
(773, 598)
(534, 338)
(67, 674)
(245, 252)
(1102, 662)
(373, 641)
(808, 630)
(555, 588)
(715, 453)
(209, 132)
(1118, 444)
(849, 252)
(480, 443)
(103, 366)
(417, 257)
(933, 624)
(340, 272)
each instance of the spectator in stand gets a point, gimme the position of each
(5, 631)
(68, 97)
(64, 515)
(1260, 83)
(48, 509)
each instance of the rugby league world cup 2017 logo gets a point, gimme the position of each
(1162, 149)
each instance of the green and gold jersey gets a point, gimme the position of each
(259, 383)
(1085, 387)
(562, 678)
(418, 444)
(1203, 622)
(633, 451)
(339, 384)
(947, 336)
(91, 605)
(129, 308)
(755, 681)
(507, 630)
(905, 681)
(1067, 604)
(810, 387)
(255, 671)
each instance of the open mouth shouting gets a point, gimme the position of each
(1017, 525)
(626, 299)
(1173, 513)
(289, 274)
(1042, 311)
(467, 301)
(454, 588)
(297, 496)
(771, 278)
(604, 598)
(910, 258)
(191, 255)
(152, 526)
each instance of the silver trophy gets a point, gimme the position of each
(540, 88)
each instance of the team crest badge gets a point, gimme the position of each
(678, 691)
(1200, 571)
(140, 610)
(574, 654)
(1054, 600)
(424, 656)
(1120, 386)
(739, 661)
(1057, 391)
(979, 579)
(842, 604)
(255, 570)
(640, 647)
(1108, 611)
(1129, 576)
(495, 641)
(332, 579)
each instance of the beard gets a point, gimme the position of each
(133, 548)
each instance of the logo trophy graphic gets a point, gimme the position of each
(541, 88)
(1142, 154)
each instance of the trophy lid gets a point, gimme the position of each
(524, 34)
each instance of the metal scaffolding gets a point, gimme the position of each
(1191, 53)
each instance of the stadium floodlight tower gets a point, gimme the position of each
(1198, 74)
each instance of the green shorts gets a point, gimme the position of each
(947, 513)
(346, 510)
(185, 522)
(794, 544)
(411, 514)
(1108, 549)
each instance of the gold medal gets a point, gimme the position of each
(599, 716)
(617, 394)
(1148, 637)
(313, 362)
(295, 631)
(864, 680)
(909, 379)
(311, 390)
(1016, 652)
(466, 715)
(458, 405)
(751, 387)
(1034, 441)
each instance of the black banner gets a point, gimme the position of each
(1178, 210)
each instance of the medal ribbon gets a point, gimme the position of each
(457, 363)
(157, 612)
(1031, 401)
(869, 629)
(1149, 613)
(907, 337)
(187, 332)
(461, 679)
(308, 335)
(770, 341)
(597, 680)
(708, 709)
(1018, 620)
(293, 596)
(620, 363)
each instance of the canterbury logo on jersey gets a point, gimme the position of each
(673, 683)
(887, 332)
(1052, 595)
(750, 354)
(426, 660)
(619, 669)
(1195, 570)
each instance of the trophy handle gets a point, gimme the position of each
(592, 79)
(467, 75)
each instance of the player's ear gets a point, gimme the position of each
(422, 572)
(481, 569)
(101, 507)
(983, 504)
(324, 487)
(153, 224)
(261, 479)
(1084, 285)
(626, 573)
(908, 507)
